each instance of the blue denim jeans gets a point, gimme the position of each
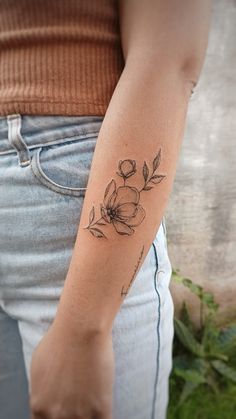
(44, 169)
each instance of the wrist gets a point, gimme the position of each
(80, 323)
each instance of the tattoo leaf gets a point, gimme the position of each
(96, 232)
(156, 161)
(100, 223)
(145, 171)
(157, 178)
(147, 188)
(91, 215)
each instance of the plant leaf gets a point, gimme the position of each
(145, 171)
(209, 337)
(206, 297)
(208, 300)
(187, 339)
(191, 369)
(191, 375)
(194, 288)
(185, 317)
(227, 339)
(91, 215)
(181, 361)
(219, 356)
(224, 370)
(96, 232)
(187, 361)
(156, 161)
(212, 382)
(188, 389)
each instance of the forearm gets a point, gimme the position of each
(146, 114)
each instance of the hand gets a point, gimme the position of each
(72, 376)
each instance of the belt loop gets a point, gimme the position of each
(16, 140)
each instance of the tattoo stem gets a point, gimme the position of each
(146, 182)
(90, 225)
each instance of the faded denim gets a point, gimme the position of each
(44, 169)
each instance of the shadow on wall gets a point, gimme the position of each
(201, 215)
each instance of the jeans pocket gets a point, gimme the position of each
(65, 167)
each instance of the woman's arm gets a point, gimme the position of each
(164, 45)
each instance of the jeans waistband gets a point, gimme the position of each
(39, 130)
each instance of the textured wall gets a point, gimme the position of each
(201, 215)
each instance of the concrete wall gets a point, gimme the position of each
(201, 215)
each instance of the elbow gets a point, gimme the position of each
(192, 62)
(190, 69)
(184, 68)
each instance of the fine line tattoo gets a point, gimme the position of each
(125, 291)
(121, 205)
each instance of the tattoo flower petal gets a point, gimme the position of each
(126, 194)
(111, 187)
(138, 218)
(127, 210)
(122, 228)
(122, 209)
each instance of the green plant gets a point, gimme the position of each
(201, 356)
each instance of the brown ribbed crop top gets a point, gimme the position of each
(58, 57)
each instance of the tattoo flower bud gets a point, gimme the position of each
(126, 168)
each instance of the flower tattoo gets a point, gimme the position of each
(127, 168)
(121, 204)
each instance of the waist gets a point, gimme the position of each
(40, 130)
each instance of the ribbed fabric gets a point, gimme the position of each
(58, 57)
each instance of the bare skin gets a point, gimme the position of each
(164, 44)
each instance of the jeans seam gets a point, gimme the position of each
(56, 141)
(158, 334)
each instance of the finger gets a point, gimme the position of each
(38, 416)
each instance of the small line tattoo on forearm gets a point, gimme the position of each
(125, 291)
(121, 204)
